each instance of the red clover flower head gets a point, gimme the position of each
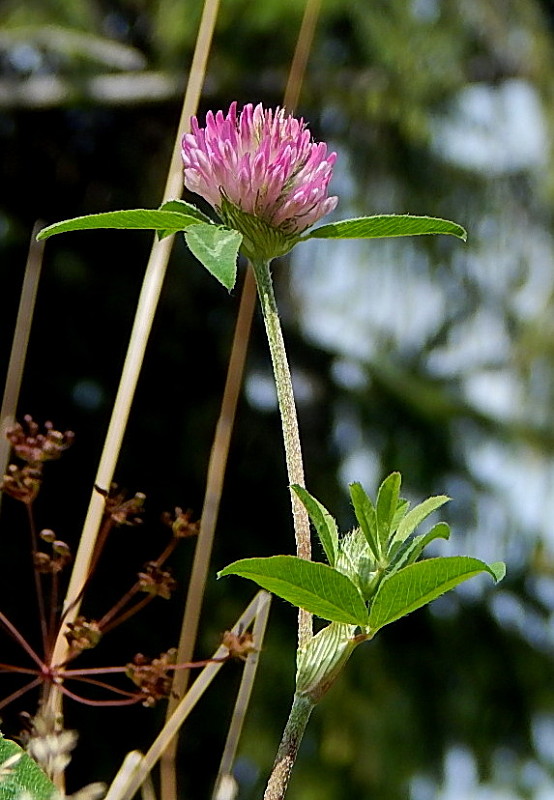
(262, 173)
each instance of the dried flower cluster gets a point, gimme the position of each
(152, 676)
(239, 645)
(156, 581)
(121, 510)
(33, 447)
(181, 523)
(82, 635)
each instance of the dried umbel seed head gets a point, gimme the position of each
(153, 676)
(42, 563)
(156, 581)
(240, 645)
(61, 554)
(33, 446)
(23, 483)
(181, 523)
(83, 634)
(262, 173)
(125, 511)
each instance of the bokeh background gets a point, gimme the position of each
(424, 355)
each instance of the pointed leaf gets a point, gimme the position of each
(181, 207)
(410, 550)
(216, 247)
(366, 516)
(385, 225)
(133, 219)
(498, 569)
(416, 516)
(401, 511)
(387, 504)
(323, 522)
(187, 209)
(310, 585)
(416, 585)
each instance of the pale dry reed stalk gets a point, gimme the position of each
(16, 364)
(148, 301)
(124, 788)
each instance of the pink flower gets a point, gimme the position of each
(262, 173)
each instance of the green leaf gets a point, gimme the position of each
(187, 209)
(401, 511)
(21, 777)
(216, 247)
(416, 585)
(387, 504)
(385, 225)
(410, 550)
(366, 516)
(181, 207)
(323, 522)
(498, 569)
(133, 219)
(315, 587)
(416, 516)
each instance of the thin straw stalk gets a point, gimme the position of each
(243, 695)
(147, 305)
(20, 341)
(257, 606)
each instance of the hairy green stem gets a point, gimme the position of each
(289, 422)
(288, 749)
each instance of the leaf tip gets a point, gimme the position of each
(498, 570)
(221, 573)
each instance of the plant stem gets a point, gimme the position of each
(38, 580)
(289, 422)
(129, 613)
(288, 749)
(20, 639)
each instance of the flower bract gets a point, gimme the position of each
(262, 173)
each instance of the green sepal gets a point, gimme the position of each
(320, 661)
